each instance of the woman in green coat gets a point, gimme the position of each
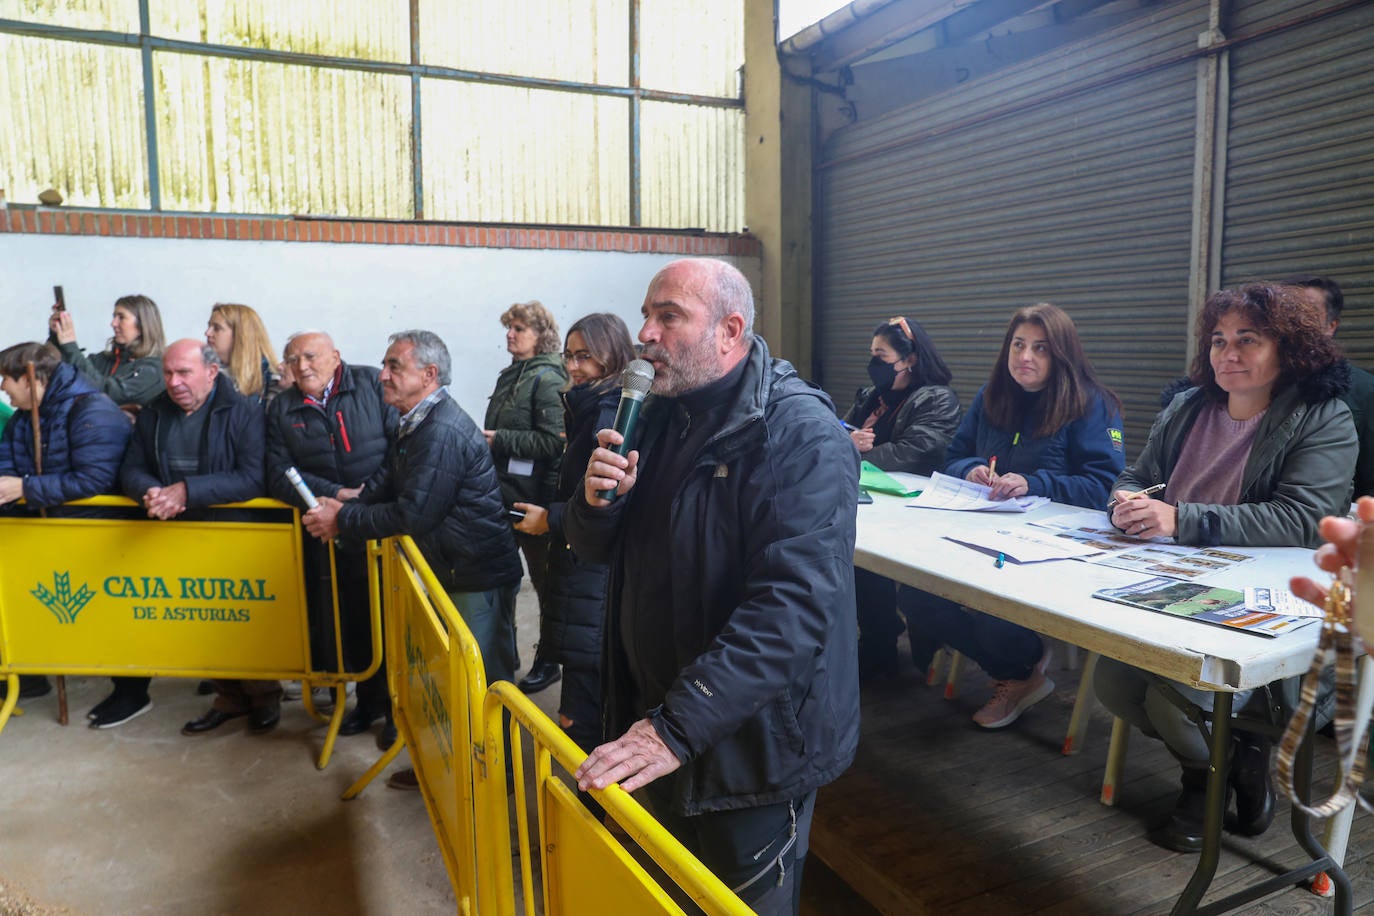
(524, 427)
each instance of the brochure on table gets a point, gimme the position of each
(1157, 556)
(965, 496)
(1224, 607)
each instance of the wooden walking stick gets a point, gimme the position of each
(38, 469)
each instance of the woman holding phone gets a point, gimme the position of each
(597, 349)
(129, 370)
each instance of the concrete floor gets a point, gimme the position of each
(139, 819)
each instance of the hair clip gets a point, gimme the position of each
(900, 322)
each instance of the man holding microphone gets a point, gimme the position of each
(731, 687)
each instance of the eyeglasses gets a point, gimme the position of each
(581, 356)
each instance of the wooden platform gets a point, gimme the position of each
(939, 816)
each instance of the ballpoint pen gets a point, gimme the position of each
(1145, 492)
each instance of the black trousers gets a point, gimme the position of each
(535, 547)
(350, 579)
(757, 852)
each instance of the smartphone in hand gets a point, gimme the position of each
(59, 301)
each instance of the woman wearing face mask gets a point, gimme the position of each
(1055, 431)
(902, 422)
(130, 369)
(238, 336)
(597, 350)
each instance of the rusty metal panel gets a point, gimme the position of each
(694, 46)
(577, 42)
(254, 137)
(693, 170)
(367, 29)
(80, 127)
(503, 154)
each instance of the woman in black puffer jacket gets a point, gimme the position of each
(598, 347)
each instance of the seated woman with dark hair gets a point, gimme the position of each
(902, 422)
(1254, 455)
(1055, 431)
(82, 435)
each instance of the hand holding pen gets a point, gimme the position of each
(1000, 486)
(1134, 512)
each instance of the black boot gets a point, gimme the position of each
(1182, 832)
(1250, 755)
(541, 674)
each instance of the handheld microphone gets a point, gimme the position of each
(635, 382)
(293, 477)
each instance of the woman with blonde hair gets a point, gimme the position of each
(239, 338)
(524, 428)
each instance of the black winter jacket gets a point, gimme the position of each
(439, 487)
(573, 615)
(341, 445)
(765, 705)
(921, 431)
(83, 438)
(233, 450)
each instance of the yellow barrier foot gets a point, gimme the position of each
(375, 770)
(335, 721)
(11, 700)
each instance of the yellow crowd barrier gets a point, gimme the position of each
(457, 730)
(189, 599)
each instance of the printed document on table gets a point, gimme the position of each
(1022, 545)
(1276, 599)
(1157, 556)
(964, 496)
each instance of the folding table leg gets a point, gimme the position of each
(1082, 707)
(1116, 760)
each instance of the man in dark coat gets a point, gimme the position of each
(731, 678)
(199, 443)
(439, 486)
(334, 426)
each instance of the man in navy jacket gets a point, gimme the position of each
(731, 686)
(199, 443)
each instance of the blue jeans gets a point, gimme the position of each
(490, 615)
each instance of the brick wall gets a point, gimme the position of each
(46, 220)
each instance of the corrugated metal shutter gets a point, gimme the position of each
(1067, 178)
(1300, 169)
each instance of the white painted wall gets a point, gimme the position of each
(358, 293)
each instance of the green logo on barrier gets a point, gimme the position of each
(63, 603)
